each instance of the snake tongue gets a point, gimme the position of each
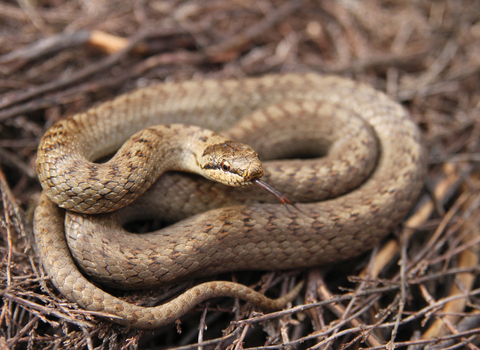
(264, 185)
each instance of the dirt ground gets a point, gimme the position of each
(418, 289)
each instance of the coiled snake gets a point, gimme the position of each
(380, 167)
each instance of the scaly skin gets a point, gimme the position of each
(253, 236)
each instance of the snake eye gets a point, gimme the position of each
(225, 166)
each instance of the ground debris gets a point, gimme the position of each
(419, 288)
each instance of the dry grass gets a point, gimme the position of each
(420, 286)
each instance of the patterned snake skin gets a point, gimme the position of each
(375, 177)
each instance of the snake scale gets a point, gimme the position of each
(374, 182)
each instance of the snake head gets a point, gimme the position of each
(231, 163)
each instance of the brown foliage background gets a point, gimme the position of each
(418, 289)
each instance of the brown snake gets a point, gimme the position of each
(257, 235)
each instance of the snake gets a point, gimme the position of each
(353, 164)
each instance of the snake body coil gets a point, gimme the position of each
(241, 236)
